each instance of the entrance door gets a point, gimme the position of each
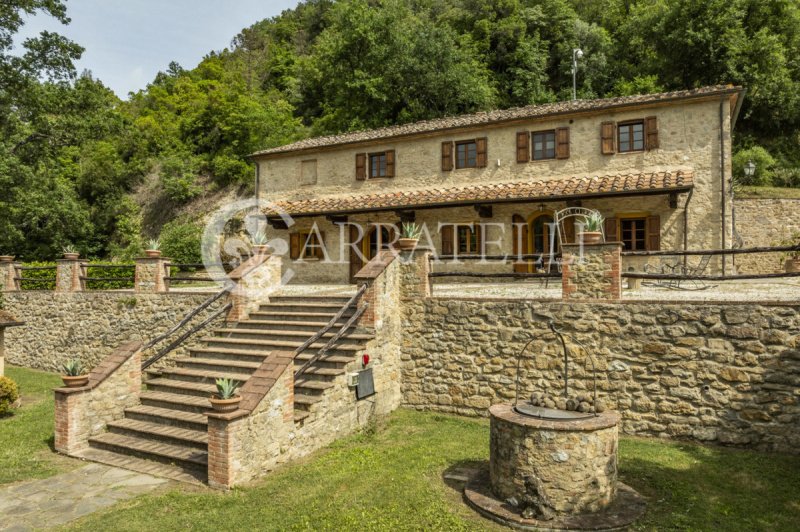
(534, 235)
(372, 242)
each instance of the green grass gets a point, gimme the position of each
(768, 192)
(26, 437)
(393, 480)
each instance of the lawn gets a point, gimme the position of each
(26, 437)
(769, 192)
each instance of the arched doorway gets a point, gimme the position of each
(534, 236)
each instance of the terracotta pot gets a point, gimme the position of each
(260, 249)
(792, 265)
(75, 382)
(152, 253)
(225, 405)
(6, 258)
(407, 244)
(591, 237)
(71, 256)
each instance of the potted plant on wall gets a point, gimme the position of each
(74, 376)
(791, 259)
(153, 250)
(70, 252)
(226, 399)
(409, 237)
(259, 241)
(592, 229)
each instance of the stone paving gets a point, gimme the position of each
(54, 501)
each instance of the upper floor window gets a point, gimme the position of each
(544, 145)
(464, 154)
(630, 136)
(375, 165)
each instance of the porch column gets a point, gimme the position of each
(591, 271)
(68, 275)
(7, 273)
(149, 275)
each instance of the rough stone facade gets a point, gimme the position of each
(149, 275)
(765, 222)
(68, 273)
(87, 325)
(592, 271)
(724, 373)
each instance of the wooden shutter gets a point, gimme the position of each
(523, 146)
(607, 138)
(447, 239)
(653, 233)
(447, 156)
(569, 230)
(390, 163)
(651, 132)
(361, 166)
(480, 152)
(295, 245)
(478, 229)
(519, 232)
(611, 229)
(318, 251)
(562, 143)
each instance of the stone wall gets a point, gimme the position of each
(89, 325)
(724, 373)
(765, 222)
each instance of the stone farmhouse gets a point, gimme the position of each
(657, 167)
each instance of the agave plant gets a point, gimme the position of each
(73, 368)
(260, 239)
(69, 249)
(226, 388)
(154, 244)
(593, 222)
(411, 230)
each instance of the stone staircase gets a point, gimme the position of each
(166, 434)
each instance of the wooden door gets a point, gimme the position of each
(519, 232)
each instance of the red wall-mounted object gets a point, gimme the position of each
(364, 360)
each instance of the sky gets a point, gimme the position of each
(128, 42)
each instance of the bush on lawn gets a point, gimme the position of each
(9, 393)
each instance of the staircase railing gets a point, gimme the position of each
(186, 319)
(317, 335)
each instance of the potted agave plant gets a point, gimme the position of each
(259, 241)
(592, 229)
(791, 259)
(153, 250)
(409, 237)
(70, 252)
(226, 399)
(74, 376)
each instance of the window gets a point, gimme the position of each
(630, 136)
(468, 240)
(544, 145)
(467, 154)
(634, 233)
(377, 165)
(308, 172)
(306, 246)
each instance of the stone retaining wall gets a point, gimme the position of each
(725, 373)
(89, 325)
(765, 222)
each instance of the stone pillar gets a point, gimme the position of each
(68, 275)
(255, 280)
(592, 271)
(7, 273)
(415, 267)
(149, 276)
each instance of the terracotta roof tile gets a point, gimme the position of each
(499, 115)
(496, 192)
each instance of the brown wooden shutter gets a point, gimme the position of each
(478, 228)
(611, 229)
(523, 146)
(361, 166)
(562, 143)
(607, 138)
(480, 152)
(318, 251)
(653, 233)
(447, 239)
(390, 163)
(447, 156)
(519, 232)
(651, 132)
(295, 245)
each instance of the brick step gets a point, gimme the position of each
(309, 326)
(286, 335)
(222, 353)
(189, 475)
(272, 315)
(185, 387)
(308, 384)
(161, 432)
(215, 341)
(150, 449)
(167, 416)
(176, 401)
(218, 364)
(340, 300)
(304, 306)
(202, 376)
(325, 372)
(329, 359)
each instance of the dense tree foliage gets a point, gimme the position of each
(71, 152)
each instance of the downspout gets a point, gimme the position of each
(686, 226)
(722, 174)
(258, 179)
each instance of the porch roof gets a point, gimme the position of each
(645, 183)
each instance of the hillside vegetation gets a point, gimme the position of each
(77, 165)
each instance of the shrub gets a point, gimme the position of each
(765, 166)
(180, 241)
(43, 279)
(9, 393)
(178, 177)
(230, 170)
(786, 177)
